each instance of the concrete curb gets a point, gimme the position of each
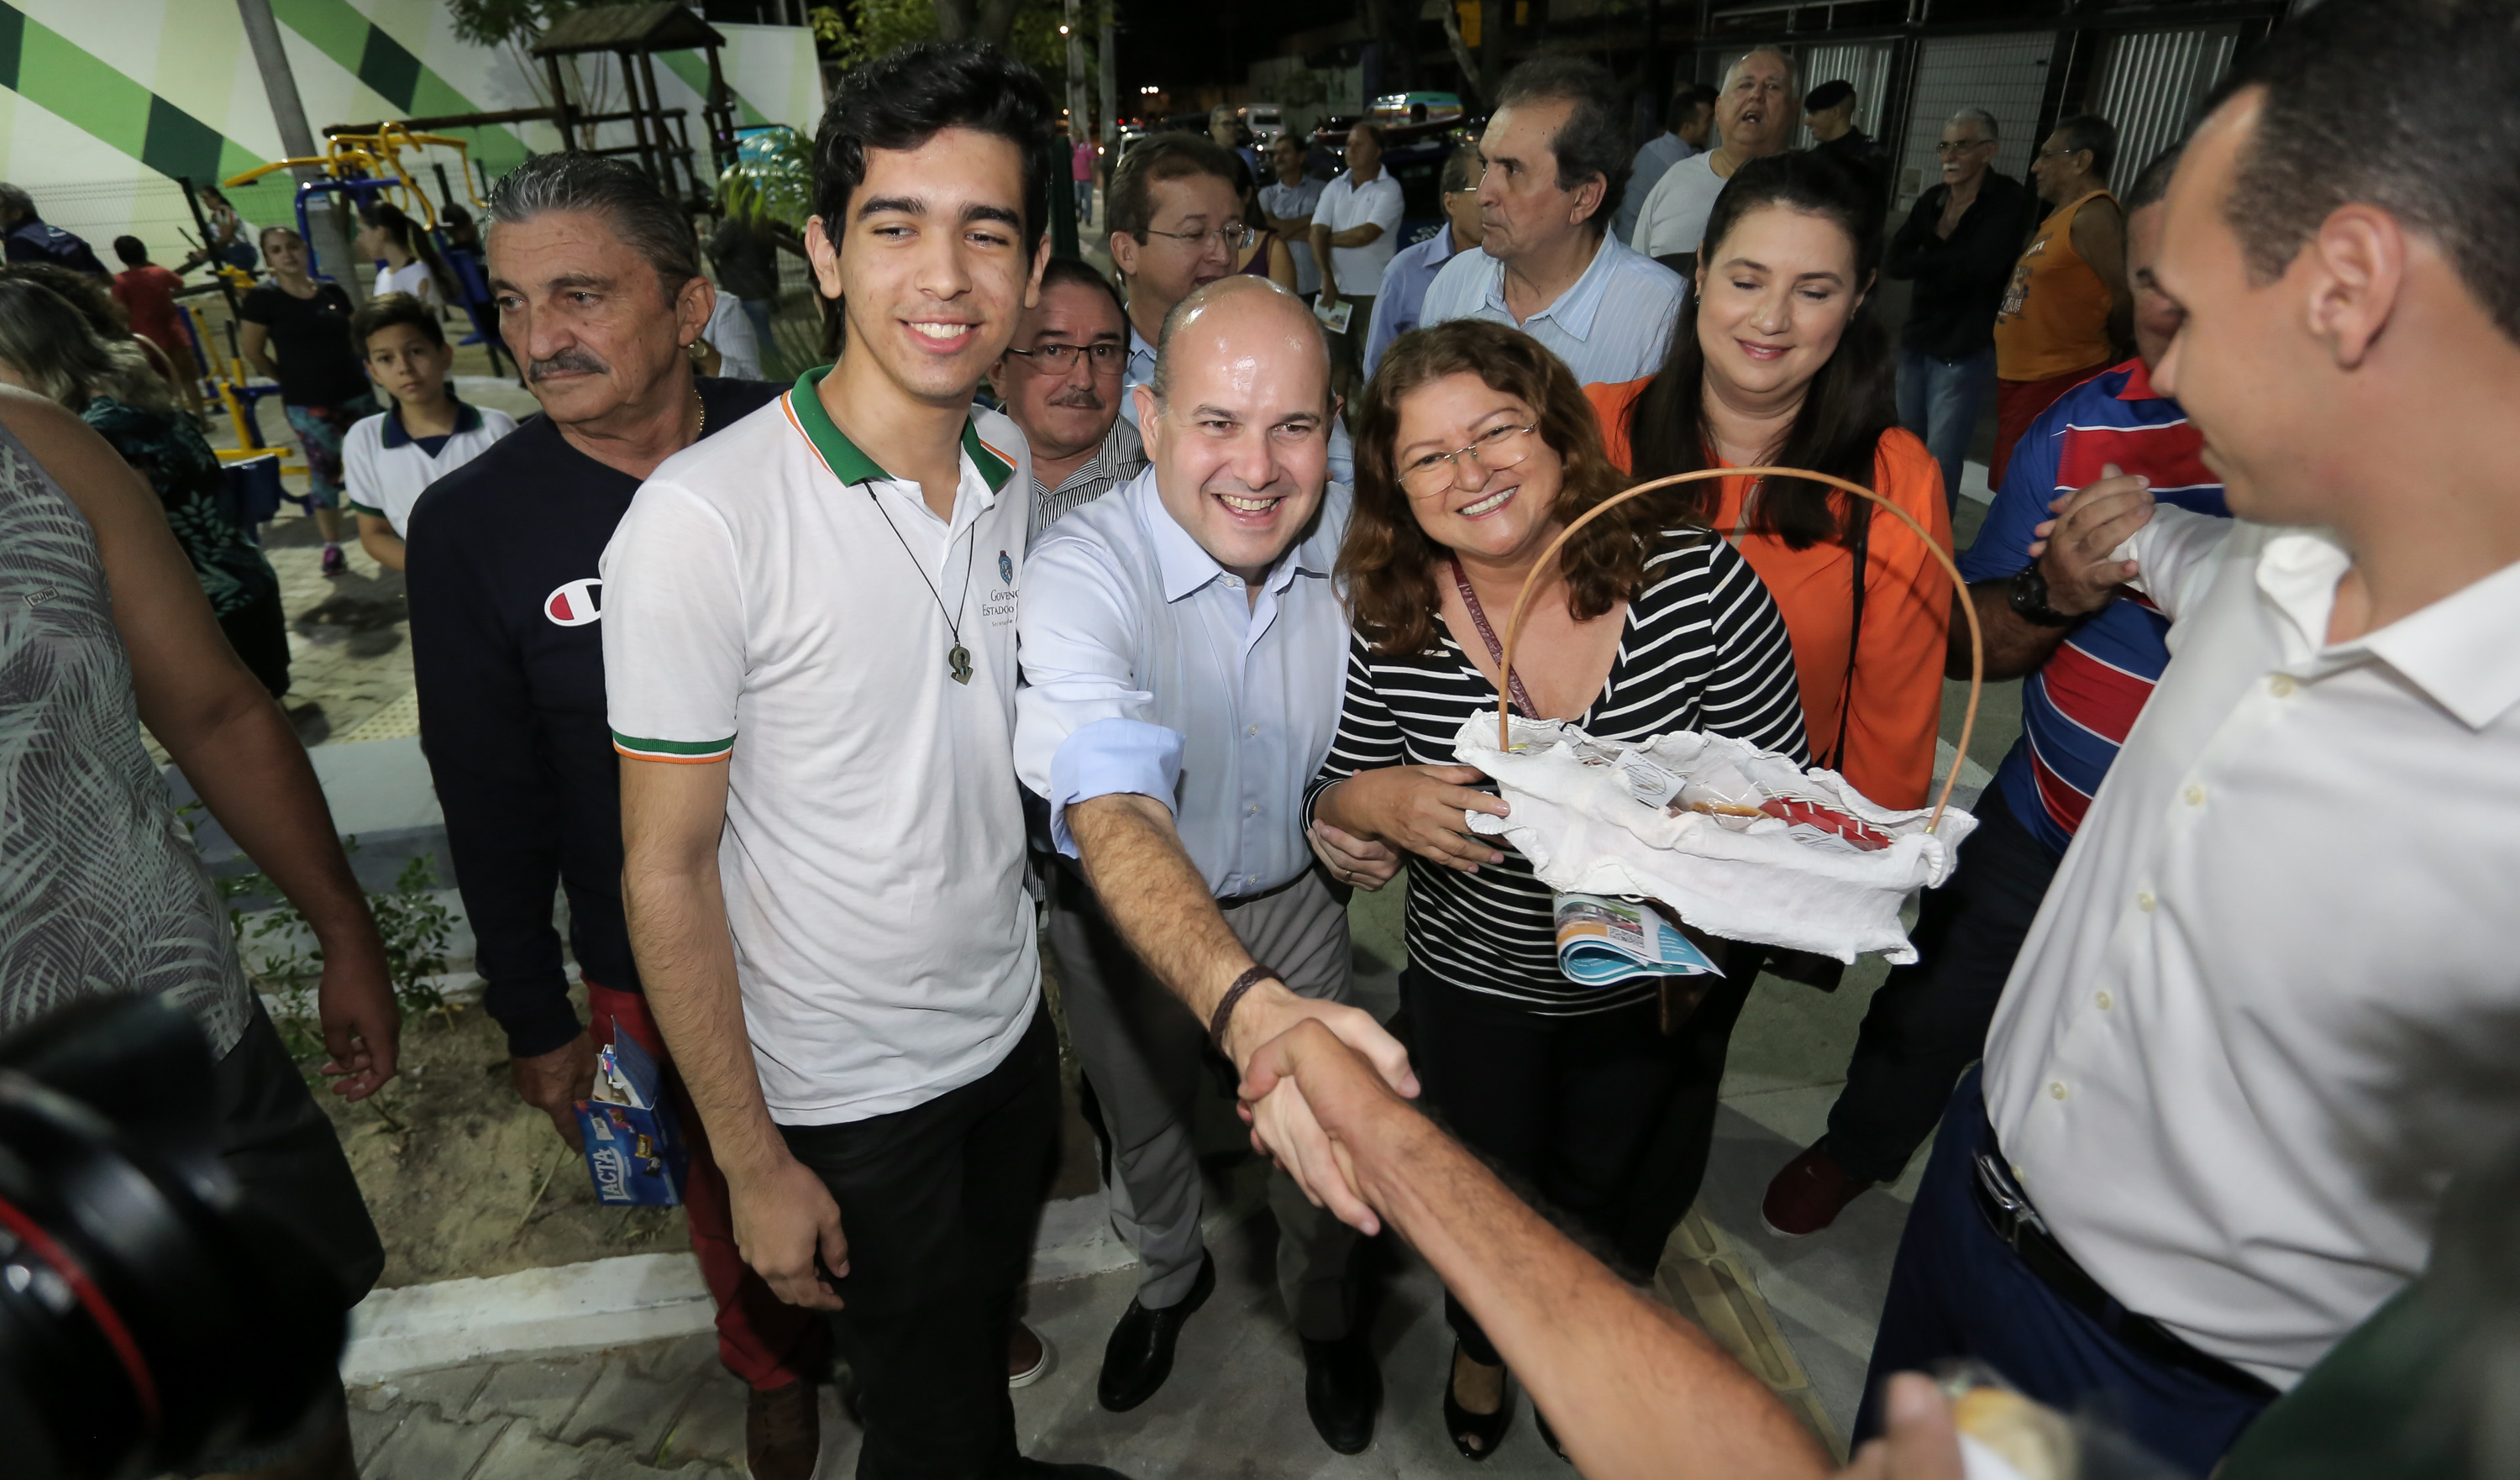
(625, 1299)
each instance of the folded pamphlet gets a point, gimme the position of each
(1336, 319)
(1602, 939)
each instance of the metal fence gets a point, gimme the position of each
(2006, 74)
(2152, 84)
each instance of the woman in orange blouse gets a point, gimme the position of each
(1778, 359)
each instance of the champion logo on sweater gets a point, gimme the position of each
(573, 605)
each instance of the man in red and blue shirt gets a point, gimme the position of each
(2089, 658)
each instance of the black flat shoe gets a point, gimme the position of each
(1138, 1357)
(1343, 1389)
(1476, 1435)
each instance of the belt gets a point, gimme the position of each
(2011, 1218)
(1076, 871)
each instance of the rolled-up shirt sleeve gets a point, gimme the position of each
(1084, 725)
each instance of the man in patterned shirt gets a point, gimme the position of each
(1061, 380)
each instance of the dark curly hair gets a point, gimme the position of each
(1386, 564)
(907, 97)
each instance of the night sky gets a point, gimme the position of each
(1183, 46)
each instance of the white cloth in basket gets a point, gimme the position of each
(1577, 817)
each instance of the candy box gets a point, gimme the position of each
(634, 1146)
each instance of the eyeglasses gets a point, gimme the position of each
(1059, 359)
(1495, 450)
(1227, 237)
(1949, 149)
(2052, 154)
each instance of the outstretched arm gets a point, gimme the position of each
(1159, 903)
(1633, 1389)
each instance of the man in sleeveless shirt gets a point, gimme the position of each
(2065, 313)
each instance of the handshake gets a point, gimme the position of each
(1632, 1388)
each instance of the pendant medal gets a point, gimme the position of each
(958, 663)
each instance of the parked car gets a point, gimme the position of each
(1265, 120)
(1400, 109)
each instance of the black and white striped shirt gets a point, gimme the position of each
(1703, 649)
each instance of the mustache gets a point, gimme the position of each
(1082, 397)
(571, 359)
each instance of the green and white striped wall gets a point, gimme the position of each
(103, 103)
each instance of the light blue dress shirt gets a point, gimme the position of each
(1659, 153)
(1141, 370)
(1399, 306)
(1149, 669)
(1612, 324)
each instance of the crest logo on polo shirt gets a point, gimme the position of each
(573, 605)
(1005, 569)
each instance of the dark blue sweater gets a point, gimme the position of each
(509, 659)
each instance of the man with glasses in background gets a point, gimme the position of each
(1061, 380)
(1399, 307)
(1175, 223)
(1958, 248)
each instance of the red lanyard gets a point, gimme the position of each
(1487, 634)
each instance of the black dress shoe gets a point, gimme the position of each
(1139, 1354)
(1342, 1388)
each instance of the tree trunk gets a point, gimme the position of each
(956, 19)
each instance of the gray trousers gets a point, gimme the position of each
(1142, 1049)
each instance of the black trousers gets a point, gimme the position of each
(288, 1162)
(1603, 1117)
(1928, 1021)
(940, 1202)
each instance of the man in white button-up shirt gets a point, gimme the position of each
(1184, 652)
(2206, 1086)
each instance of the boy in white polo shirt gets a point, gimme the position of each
(809, 639)
(389, 459)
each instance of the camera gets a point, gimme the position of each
(147, 1317)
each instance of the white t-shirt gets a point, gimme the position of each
(386, 471)
(412, 277)
(774, 598)
(730, 333)
(1344, 203)
(1676, 209)
(1279, 198)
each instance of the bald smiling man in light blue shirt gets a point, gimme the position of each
(1185, 655)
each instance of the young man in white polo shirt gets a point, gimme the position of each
(809, 633)
(389, 459)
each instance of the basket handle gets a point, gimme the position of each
(1968, 609)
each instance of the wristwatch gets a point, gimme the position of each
(2028, 600)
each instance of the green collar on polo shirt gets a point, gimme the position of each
(849, 465)
(465, 419)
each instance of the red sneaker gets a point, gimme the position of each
(1808, 1194)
